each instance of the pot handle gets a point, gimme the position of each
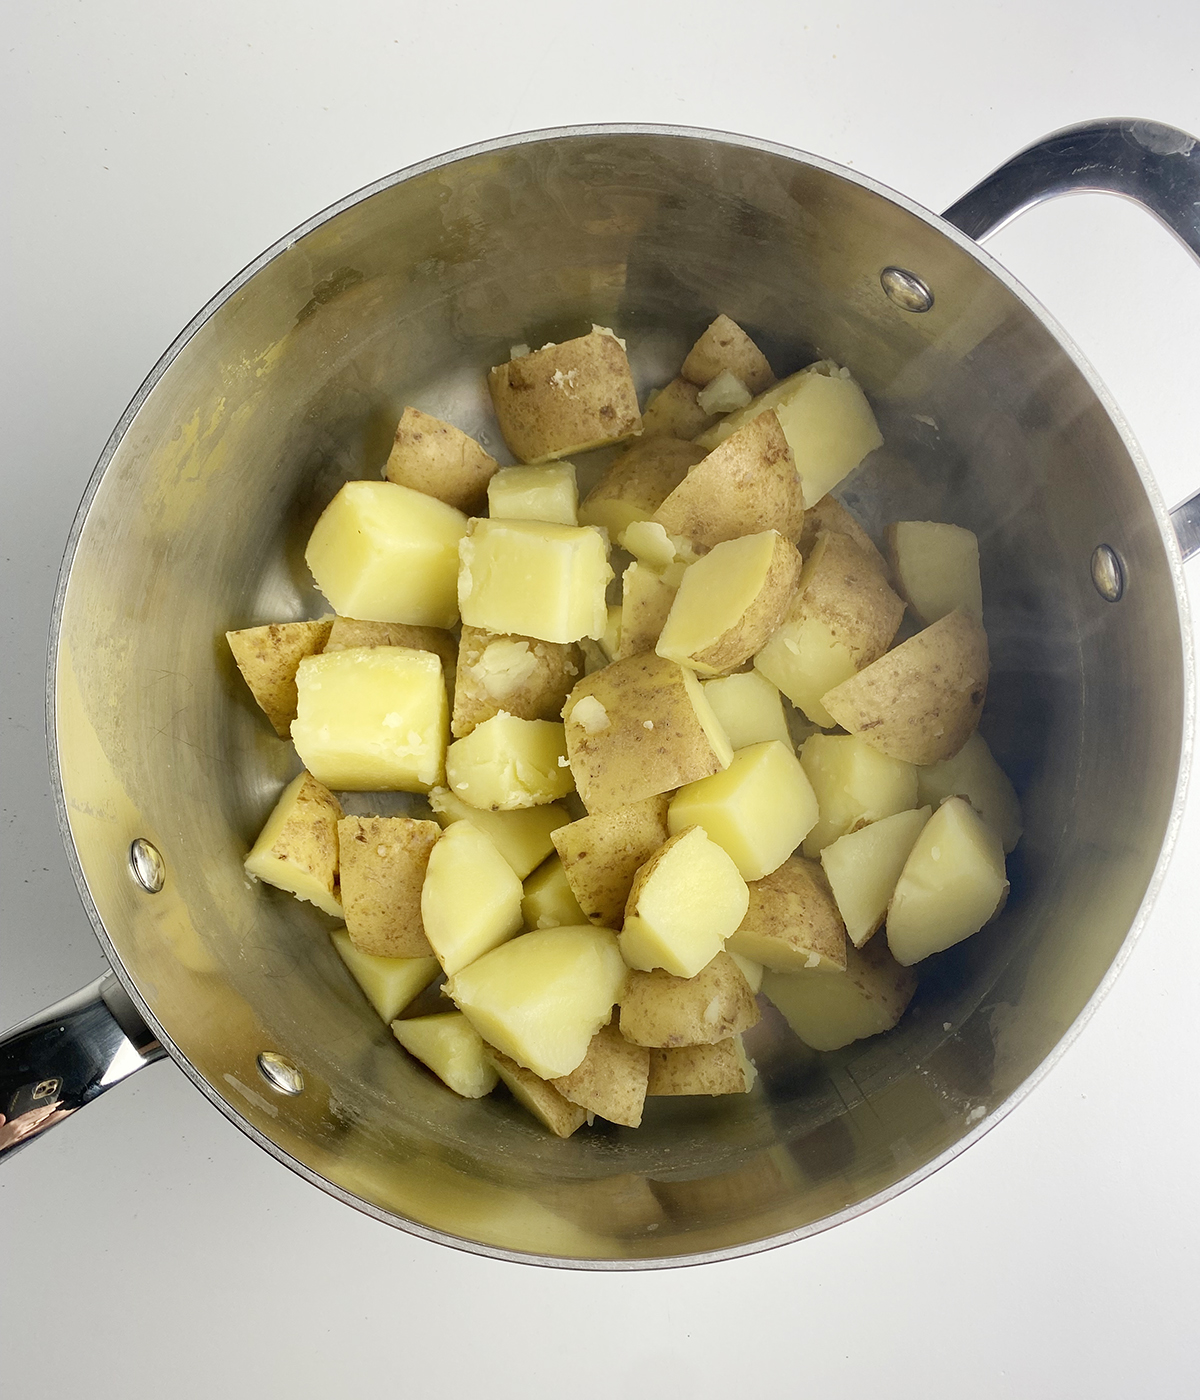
(1154, 165)
(67, 1055)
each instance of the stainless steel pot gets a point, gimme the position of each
(290, 382)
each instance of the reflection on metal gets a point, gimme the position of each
(906, 289)
(1107, 573)
(148, 867)
(1186, 519)
(279, 1073)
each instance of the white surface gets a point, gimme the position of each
(150, 152)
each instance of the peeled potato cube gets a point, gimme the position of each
(792, 921)
(649, 543)
(346, 633)
(830, 516)
(602, 853)
(436, 458)
(661, 1010)
(389, 984)
(830, 1009)
(385, 553)
(471, 899)
(805, 660)
(506, 763)
(863, 867)
(382, 867)
(552, 1109)
(674, 412)
(611, 1079)
(936, 568)
(638, 482)
(297, 849)
(952, 883)
(372, 719)
(685, 902)
(749, 709)
(723, 1068)
(268, 658)
(521, 837)
(534, 493)
(646, 600)
(522, 676)
(549, 901)
(726, 348)
(854, 784)
(758, 810)
(974, 774)
(541, 998)
(450, 1046)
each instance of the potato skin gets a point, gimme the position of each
(724, 345)
(557, 666)
(645, 602)
(662, 1011)
(268, 658)
(792, 917)
(611, 1081)
(539, 1096)
(638, 482)
(840, 585)
(438, 459)
(700, 1069)
(382, 862)
(830, 515)
(602, 853)
(675, 412)
(348, 632)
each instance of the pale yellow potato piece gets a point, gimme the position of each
(854, 784)
(723, 394)
(382, 862)
(660, 1010)
(505, 764)
(610, 642)
(674, 412)
(565, 398)
(830, 1009)
(535, 493)
(649, 543)
(372, 719)
(863, 867)
(685, 902)
(611, 1079)
(831, 516)
(922, 701)
(437, 458)
(952, 884)
(529, 578)
(750, 970)
(389, 984)
(601, 853)
(723, 1068)
(758, 810)
(542, 1099)
(297, 849)
(347, 633)
(471, 899)
(522, 676)
(452, 1048)
(268, 658)
(644, 728)
(805, 660)
(522, 837)
(541, 998)
(725, 346)
(549, 901)
(638, 482)
(792, 921)
(749, 708)
(646, 600)
(936, 568)
(386, 553)
(974, 774)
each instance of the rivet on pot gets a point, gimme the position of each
(279, 1073)
(149, 868)
(1107, 573)
(905, 289)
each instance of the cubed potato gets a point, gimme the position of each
(830, 1009)
(745, 485)
(646, 600)
(661, 1010)
(522, 676)
(792, 921)
(855, 784)
(436, 458)
(749, 708)
(758, 810)
(549, 901)
(805, 660)
(522, 838)
(543, 1100)
(505, 764)
(386, 553)
(268, 658)
(528, 578)
(565, 398)
(829, 515)
(685, 902)
(382, 866)
(723, 1068)
(725, 346)
(922, 701)
(346, 633)
(936, 568)
(541, 998)
(389, 984)
(297, 849)
(535, 493)
(863, 867)
(730, 602)
(974, 774)
(639, 727)
(723, 394)
(638, 482)
(450, 1046)
(611, 1079)
(650, 544)
(471, 899)
(372, 719)
(601, 853)
(952, 884)
(750, 970)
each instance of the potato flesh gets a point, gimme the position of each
(936, 568)
(452, 1048)
(382, 863)
(611, 1079)
(659, 1010)
(791, 921)
(723, 394)
(974, 774)
(523, 837)
(545, 493)
(389, 984)
(346, 633)
(268, 658)
(830, 516)
(749, 709)
(804, 660)
(438, 459)
(863, 867)
(646, 600)
(549, 901)
(723, 1068)
(297, 849)
(725, 348)
(523, 676)
(471, 899)
(541, 1099)
(828, 1010)
(750, 970)
(505, 764)
(854, 784)
(602, 853)
(385, 553)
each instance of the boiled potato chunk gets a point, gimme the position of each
(451, 1046)
(541, 998)
(530, 578)
(751, 971)
(382, 867)
(297, 849)
(548, 1106)
(830, 516)
(639, 727)
(526, 678)
(638, 482)
(830, 1009)
(723, 1068)
(601, 853)
(506, 763)
(431, 456)
(646, 600)
(268, 657)
(661, 1010)
(535, 493)
(675, 412)
(726, 348)
(565, 398)
(952, 883)
(549, 901)
(372, 719)
(805, 660)
(386, 553)
(611, 1079)
(922, 701)
(974, 774)
(758, 810)
(936, 568)
(650, 544)
(389, 984)
(855, 784)
(730, 602)
(471, 899)
(792, 921)
(347, 633)
(723, 394)
(863, 867)
(685, 902)
(522, 837)
(749, 708)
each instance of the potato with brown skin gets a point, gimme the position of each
(725, 346)
(539, 1096)
(382, 863)
(268, 658)
(792, 921)
(675, 411)
(662, 1011)
(297, 849)
(522, 676)
(830, 1009)
(713, 1070)
(602, 853)
(437, 458)
(646, 599)
(922, 701)
(638, 482)
(611, 1080)
(347, 633)
(831, 515)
